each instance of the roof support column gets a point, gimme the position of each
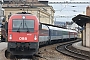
(87, 34)
(84, 36)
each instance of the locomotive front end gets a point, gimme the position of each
(23, 31)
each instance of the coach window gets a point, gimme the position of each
(56, 32)
(44, 27)
(60, 32)
(65, 32)
(51, 32)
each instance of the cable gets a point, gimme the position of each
(69, 2)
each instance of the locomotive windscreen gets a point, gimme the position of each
(23, 25)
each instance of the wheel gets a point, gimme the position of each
(35, 58)
(8, 55)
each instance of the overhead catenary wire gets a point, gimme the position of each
(69, 2)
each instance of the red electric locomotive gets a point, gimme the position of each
(23, 31)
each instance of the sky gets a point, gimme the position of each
(68, 10)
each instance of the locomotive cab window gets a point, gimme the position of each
(23, 25)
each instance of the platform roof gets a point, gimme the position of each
(81, 19)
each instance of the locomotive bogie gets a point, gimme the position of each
(23, 48)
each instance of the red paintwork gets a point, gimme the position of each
(29, 35)
(72, 33)
(43, 32)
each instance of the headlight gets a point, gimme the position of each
(10, 36)
(35, 37)
(23, 17)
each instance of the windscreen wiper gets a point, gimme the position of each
(26, 27)
(19, 27)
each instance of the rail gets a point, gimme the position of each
(0, 34)
(76, 54)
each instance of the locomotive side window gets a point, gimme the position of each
(23, 25)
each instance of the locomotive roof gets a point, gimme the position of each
(23, 13)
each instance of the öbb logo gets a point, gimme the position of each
(22, 38)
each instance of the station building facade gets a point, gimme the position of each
(42, 10)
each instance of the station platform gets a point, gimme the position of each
(3, 45)
(78, 45)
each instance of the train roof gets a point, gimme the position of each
(72, 31)
(54, 27)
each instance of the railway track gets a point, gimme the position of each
(25, 58)
(65, 50)
(22, 59)
(12, 57)
(37, 57)
(34, 58)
